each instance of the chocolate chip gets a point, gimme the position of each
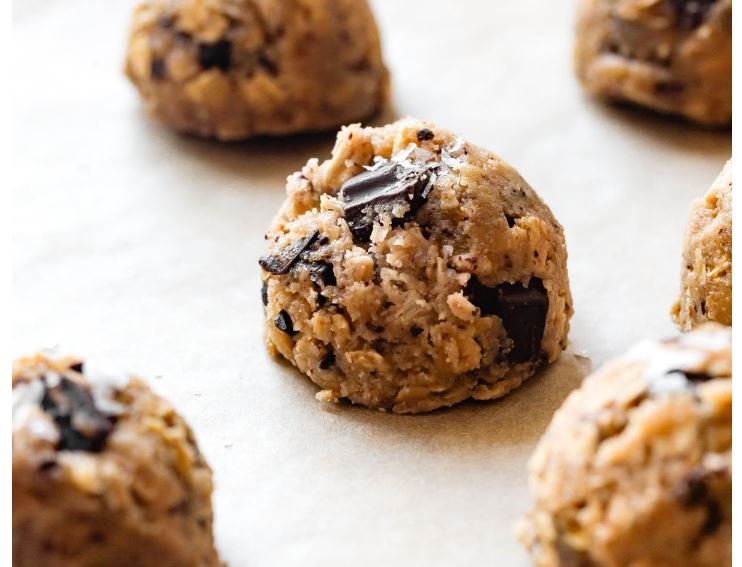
(281, 263)
(77, 367)
(82, 426)
(416, 331)
(158, 69)
(322, 273)
(284, 323)
(424, 135)
(381, 191)
(511, 220)
(327, 361)
(264, 293)
(217, 54)
(522, 310)
(689, 14)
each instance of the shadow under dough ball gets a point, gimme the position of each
(104, 473)
(413, 270)
(636, 467)
(233, 70)
(671, 56)
(706, 273)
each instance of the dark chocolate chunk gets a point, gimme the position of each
(328, 360)
(281, 263)
(82, 426)
(284, 323)
(217, 54)
(264, 293)
(77, 367)
(522, 310)
(511, 220)
(158, 69)
(416, 331)
(381, 190)
(424, 135)
(322, 273)
(689, 14)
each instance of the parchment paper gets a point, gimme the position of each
(139, 247)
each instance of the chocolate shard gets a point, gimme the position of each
(82, 426)
(215, 55)
(264, 293)
(279, 264)
(383, 190)
(77, 367)
(522, 311)
(689, 14)
(284, 323)
(321, 273)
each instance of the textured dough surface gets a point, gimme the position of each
(403, 315)
(635, 468)
(232, 69)
(706, 274)
(141, 498)
(672, 56)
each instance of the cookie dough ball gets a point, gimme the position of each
(104, 473)
(706, 276)
(413, 270)
(672, 56)
(635, 468)
(235, 69)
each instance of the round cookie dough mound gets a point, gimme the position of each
(635, 468)
(706, 276)
(232, 69)
(414, 270)
(672, 56)
(104, 473)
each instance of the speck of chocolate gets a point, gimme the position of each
(264, 293)
(328, 360)
(511, 220)
(425, 135)
(215, 55)
(416, 331)
(158, 69)
(77, 367)
(322, 273)
(284, 323)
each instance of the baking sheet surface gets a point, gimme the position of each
(139, 247)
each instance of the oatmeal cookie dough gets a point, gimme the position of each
(232, 69)
(672, 56)
(104, 473)
(413, 270)
(706, 274)
(635, 468)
